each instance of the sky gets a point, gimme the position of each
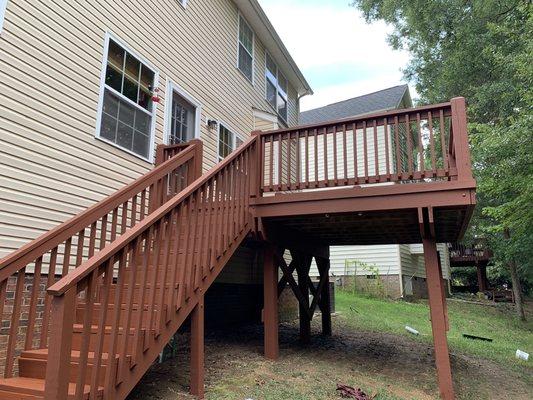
(340, 55)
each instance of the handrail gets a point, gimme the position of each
(50, 239)
(24, 272)
(160, 264)
(417, 144)
(73, 278)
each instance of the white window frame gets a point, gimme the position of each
(239, 16)
(286, 97)
(3, 6)
(234, 137)
(110, 36)
(171, 88)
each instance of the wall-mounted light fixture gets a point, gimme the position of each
(212, 124)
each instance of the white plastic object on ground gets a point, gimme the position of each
(413, 331)
(522, 355)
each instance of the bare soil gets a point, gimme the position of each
(391, 366)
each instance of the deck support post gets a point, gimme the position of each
(481, 277)
(197, 349)
(325, 306)
(437, 304)
(270, 309)
(303, 265)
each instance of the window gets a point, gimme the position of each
(127, 109)
(183, 2)
(276, 88)
(227, 141)
(246, 49)
(3, 5)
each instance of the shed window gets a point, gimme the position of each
(127, 108)
(276, 88)
(246, 49)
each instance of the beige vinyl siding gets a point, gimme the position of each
(52, 166)
(384, 257)
(413, 260)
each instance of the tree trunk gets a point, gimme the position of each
(515, 279)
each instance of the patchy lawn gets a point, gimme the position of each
(369, 349)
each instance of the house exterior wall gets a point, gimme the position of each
(52, 166)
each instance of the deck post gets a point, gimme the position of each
(303, 264)
(325, 306)
(270, 309)
(437, 304)
(197, 349)
(481, 277)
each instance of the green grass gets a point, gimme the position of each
(497, 323)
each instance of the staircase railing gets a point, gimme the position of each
(156, 268)
(28, 272)
(419, 144)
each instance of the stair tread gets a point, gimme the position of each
(95, 329)
(34, 386)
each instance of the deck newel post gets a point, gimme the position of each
(325, 306)
(438, 318)
(302, 271)
(270, 309)
(59, 349)
(197, 348)
(460, 139)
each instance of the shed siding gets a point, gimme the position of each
(385, 257)
(52, 166)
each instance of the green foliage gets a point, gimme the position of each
(482, 50)
(374, 285)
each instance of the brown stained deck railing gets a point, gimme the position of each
(26, 273)
(419, 144)
(477, 251)
(154, 270)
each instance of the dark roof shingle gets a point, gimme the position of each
(385, 99)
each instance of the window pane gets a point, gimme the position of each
(271, 67)
(245, 63)
(130, 89)
(141, 144)
(246, 35)
(225, 145)
(125, 136)
(108, 127)
(271, 94)
(142, 122)
(110, 104)
(282, 108)
(132, 68)
(115, 56)
(283, 84)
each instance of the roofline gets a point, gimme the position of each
(364, 95)
(276, 41)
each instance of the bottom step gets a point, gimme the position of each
(30, 388)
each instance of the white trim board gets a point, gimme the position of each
(110, 36)
(172, 87)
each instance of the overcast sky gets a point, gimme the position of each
(338, 52)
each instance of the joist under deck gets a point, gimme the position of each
(370, 215)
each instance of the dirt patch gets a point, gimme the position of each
(394, 367)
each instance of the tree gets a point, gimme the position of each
(482, 50)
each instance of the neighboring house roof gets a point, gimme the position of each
(386, 99)
(259, 22)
